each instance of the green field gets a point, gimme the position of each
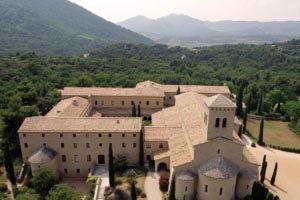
(275, 133)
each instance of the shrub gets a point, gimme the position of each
(3, 187)
(121, 163)
(253, 144)
(43, 180)
(164, 181)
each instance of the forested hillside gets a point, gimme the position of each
(29, 83)
(56, 27)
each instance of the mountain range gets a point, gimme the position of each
(56, 27)
(187, 31)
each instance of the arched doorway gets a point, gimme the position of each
(162, 167)
(101, 159)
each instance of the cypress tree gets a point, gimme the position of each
(172, 188)
(278, 104)
(139, 110)
(133, 111)
(274, 174)
(111, 168)
(245, 121)
(178, 90)
(249, 103)
(261, 133)
(141, 155)
(259, 105)
(9, 165)
(263, 174)
(133, 191)
(239, 102)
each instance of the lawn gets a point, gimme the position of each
(275, 133)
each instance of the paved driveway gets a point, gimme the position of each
(288, 174)
(152, 186)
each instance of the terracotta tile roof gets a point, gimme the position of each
(161, 155)
(219, 167)
(219, 101)
(42, 155)
(81, 124)
(73, 107)
(121, 111)
(180, 153)
(120, 92)
(167, 117)
(160, 133)
(202, 89)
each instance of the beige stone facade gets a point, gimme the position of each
(193, 134)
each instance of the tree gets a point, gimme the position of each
(133, 191)
(82, 81)
(111, 168)
(120, 163)
(261, 133)
(263, 173)
(133, 111)
(249, 104)
(43, 180)
(9, 165)
(178, 90)
(245, 121)
(259, 104)
(274, 174)
(141, 153)
(172, 188)
(63, 191)
(139, 110)
(239, 102)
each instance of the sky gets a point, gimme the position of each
(213, 10)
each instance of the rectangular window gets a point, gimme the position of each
(25, 145)
(123, 103)
(134, 135)
(76, 158)
(123, 145)
(63, 158)
(62, 145)
(89, 158)
(43, 135)
(100, 144)
(157, 103)
(206, 188)
(44, 144)
(123, 135)
(87, 145)
(96, 102)
(134, 145)
(66, 171)
(24, 135)
(75, 145)
(74, 135)
(61, 135)
(161, 146)
(148, 146)
(99, 135)
(109, 135)
(78, 171)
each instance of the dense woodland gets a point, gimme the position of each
(29, 83)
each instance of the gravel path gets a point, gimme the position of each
(288, 174)
(152, 186)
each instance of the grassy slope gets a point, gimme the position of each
(275, 133)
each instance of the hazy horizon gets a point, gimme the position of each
(213, 10)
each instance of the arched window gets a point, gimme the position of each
(186, 188)
(224, 122)
(147, 103)
(221, 191)
(217, 123)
